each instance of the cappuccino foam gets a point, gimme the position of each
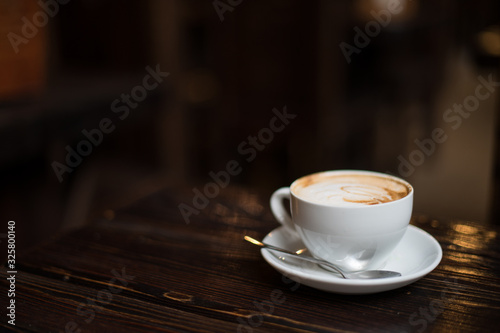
(349, 189)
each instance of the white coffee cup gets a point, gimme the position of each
(351, 218)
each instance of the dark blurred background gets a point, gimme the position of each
(230, 63)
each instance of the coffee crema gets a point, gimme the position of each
(349, 189)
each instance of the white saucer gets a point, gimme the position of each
(416, 255)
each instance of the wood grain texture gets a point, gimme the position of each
(147, 270)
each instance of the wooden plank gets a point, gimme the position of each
(148, 270)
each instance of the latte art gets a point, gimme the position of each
(365, 194)
(349, 189)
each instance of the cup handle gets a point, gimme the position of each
(279, 210)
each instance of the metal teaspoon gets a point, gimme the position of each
(373, 274)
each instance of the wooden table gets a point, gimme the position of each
(144, 269)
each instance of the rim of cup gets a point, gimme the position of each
(366, 172)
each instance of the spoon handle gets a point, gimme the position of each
(307, 258)
(301, 256)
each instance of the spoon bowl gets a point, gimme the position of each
(372, 274)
